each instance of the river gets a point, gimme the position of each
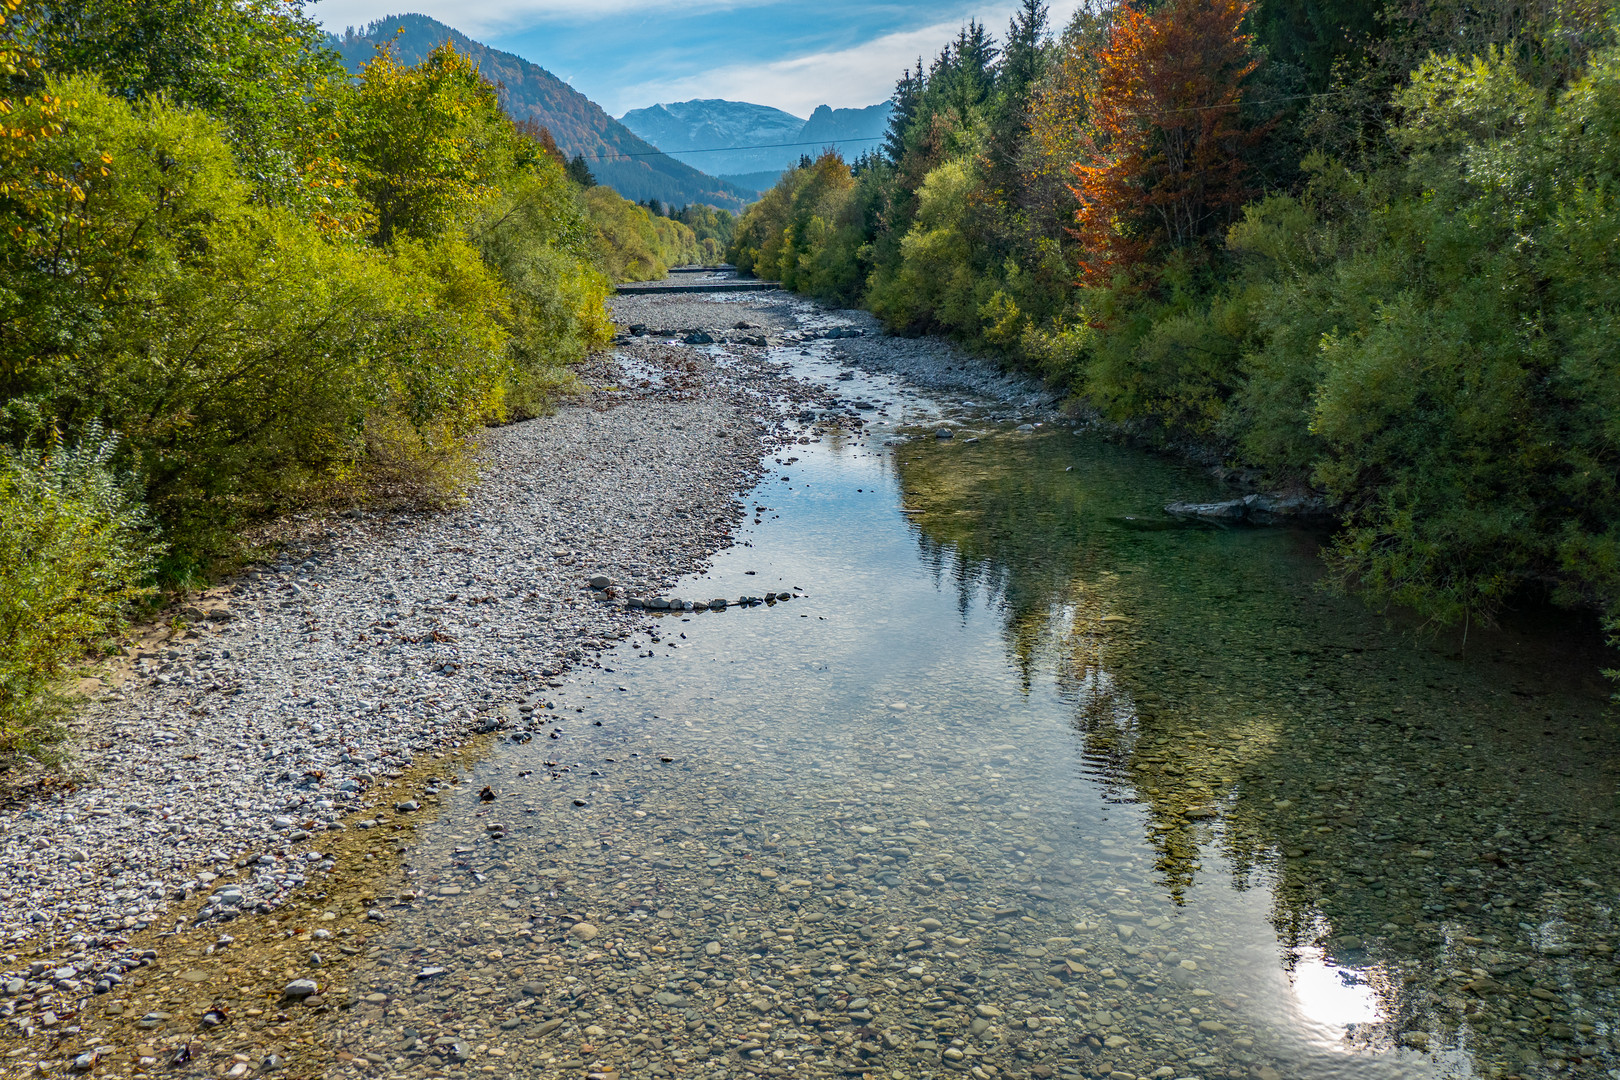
(1024, 780)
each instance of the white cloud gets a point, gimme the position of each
(855, 76)
(475, 17)
(845, 78)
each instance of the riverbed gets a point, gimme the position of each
(985, 766)
(1015, 776)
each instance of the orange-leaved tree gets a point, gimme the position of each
(1164, 167)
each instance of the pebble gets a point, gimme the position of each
(299, 989)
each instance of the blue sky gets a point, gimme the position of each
(625, 54)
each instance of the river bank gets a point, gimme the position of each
(226, 757)
(1025, 779)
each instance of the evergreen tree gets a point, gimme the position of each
(905, 103)
(965, 71)
(579, 172)
(1020, 67)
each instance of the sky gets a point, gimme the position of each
(627, 54)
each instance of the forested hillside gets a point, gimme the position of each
(1364, 247)
(616, 156)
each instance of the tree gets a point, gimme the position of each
(904, 104)
(1016, 76)
(1165, 168)
(261, 67)
(427, 141)
(579, 172)
(965, 73)
(1057, 116)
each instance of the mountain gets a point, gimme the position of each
(712, 127)
(707, 133)
(852, 131)
(618, 157)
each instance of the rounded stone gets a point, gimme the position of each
(299, 989)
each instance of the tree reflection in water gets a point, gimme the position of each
(1435, 830)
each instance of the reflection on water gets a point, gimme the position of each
(1021, 789)
(1440, 825)
(1334, 997)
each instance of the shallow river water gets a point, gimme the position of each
(1023, 781)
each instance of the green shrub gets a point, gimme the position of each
(935, 284)
(1437, 342)
(713, 227)
(806, 233)
(259, 67)
(240, 351)
(75, 554)
(537, 237)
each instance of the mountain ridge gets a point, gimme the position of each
(739, 137)
(617, 156)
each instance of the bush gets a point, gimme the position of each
(806, 233)
(277, 286)
(1437, 341)
(713, 227)
(75, 554)
(240, 352)
(537, 237)
(934, 285)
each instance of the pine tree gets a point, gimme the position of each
(905, 102)
(968, 69)
(1015, 77)
(580, 173)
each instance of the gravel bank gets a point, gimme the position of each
(929, 363)
(226, 752)
(936, 364)
(233, 741)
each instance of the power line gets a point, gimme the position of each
(717, 149)
(622, 156)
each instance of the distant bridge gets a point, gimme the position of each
(724, 280)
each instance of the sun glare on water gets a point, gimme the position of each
(1333, 996)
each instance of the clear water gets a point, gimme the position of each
(1025, 783)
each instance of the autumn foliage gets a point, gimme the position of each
(1164, 166)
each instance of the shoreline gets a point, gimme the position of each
(339, 972)
(231, 762)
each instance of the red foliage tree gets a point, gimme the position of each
(1166, 146)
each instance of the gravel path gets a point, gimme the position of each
(234, 739)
